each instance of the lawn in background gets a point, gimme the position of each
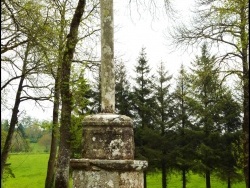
(30, 172)
(194, 181)
(29, 169)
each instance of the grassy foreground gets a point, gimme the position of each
(30, 172)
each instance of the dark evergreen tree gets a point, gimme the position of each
(185, 136)
(143, 103)
(231, 121)
(163, 114)
(94, 93)
(143, 92)
(206, 94)
(123, 101)
(80, 106)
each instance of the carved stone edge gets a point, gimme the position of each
(109, 165)
(107, 119)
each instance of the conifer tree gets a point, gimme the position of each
(143, 103)
(185, 137)
(206, 93)
(143, 92)
(122, 91)
(231, 152)
(163, 113)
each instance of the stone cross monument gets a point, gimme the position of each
(108, 138)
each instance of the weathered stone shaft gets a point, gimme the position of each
(107, 57)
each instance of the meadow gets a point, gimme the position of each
(30, 172)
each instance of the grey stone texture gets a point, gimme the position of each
(108, 154)
(108, 136)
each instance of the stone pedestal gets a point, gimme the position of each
(108, 154)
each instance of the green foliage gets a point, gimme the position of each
(45, 141)
(123, 97)
(3, 137)
(76, 136)
(142, 95)
(80, 94)
(8, 173)
(19, 143)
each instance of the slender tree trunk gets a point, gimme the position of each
(246, 124)
(208, 184)
(62, 174)
(49, 183)
(145, 179)
(164, 173)
(14, 119)
(245, 65)
(228, 182)
(184, 182)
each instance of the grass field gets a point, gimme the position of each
(30, 172)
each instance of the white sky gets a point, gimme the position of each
(133, 31)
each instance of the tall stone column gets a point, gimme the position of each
(108, 138)
(107, 57)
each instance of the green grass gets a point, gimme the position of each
(37, 148)
(29, 169)
(194, 181)
(30, 172)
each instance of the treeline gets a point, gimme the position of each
(194, 125)
(28, 131)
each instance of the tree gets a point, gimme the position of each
(45, 141)
(206, 95)
(163, 113)
(143, 92)
(122, 88)
(23, 60)
(142, 98)
(225, 24)
(62, 174)
(185, 137)
(229, 165)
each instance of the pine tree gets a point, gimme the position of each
(143, 103)
(163, 113)
(185, 136)
(122, 91)
(231, 121)
(206, 93)
(143, 92)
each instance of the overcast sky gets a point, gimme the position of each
(136, 27)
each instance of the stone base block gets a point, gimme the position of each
(108, 136)
(91, 173)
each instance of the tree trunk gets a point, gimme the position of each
(145, 179)
(14, 119)
(62, 174)
(228, 182)
(49, 183)
(184, 182)
(164, 174)
(245, 65)
(208, 185)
